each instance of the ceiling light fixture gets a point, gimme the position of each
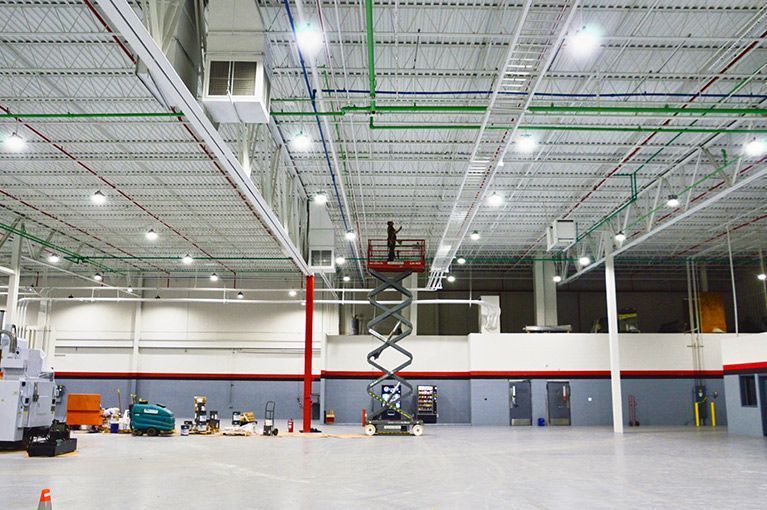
(309, 39)
(151, 235)
(347, 278)
(584, 261)
(292, 293)
(213, 277)
(53, 258)
(557, 278)
(340, 261)
(451, 279)
(187, 259)
(585, 41)
(620, 236)
(240, 295)
(350, 236)
(129, 290)
(673, 201)
(15, 143)
(526, 143)
(461, 260)
(98, 198)
(301, 142)
(495, 199)
(320, 199)
(762, 276)
(475, 236)
(98, 277)
(755, 148)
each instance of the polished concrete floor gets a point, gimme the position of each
(448, 467)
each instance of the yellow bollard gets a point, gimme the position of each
(713, 414)
(697, 415)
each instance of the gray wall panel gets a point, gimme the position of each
(490, 401)
(746, 421)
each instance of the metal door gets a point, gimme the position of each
(520, 403)
(558, 402)
(763, 401)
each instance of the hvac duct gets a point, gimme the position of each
(236, 84)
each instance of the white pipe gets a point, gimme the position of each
(210, 289)
(615, 356)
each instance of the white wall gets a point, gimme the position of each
(744, 349)
(186, 337)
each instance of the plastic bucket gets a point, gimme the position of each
(114, 427)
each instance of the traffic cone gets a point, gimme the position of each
(45, 500)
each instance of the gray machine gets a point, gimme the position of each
(28, 393)
(520, 403)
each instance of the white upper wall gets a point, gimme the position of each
(744, 349)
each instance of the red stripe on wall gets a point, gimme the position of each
(180, 375)
(480, 374)
(755, 366)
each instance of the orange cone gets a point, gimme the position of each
(45, 500)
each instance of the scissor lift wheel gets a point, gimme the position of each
(370, 429)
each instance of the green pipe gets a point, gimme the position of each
(643, 109)
(87, 115)
(371, 50)
(60, 250)
(385, 109)
(627, 129)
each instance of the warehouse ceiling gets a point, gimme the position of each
(597, 112)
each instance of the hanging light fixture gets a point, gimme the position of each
(98, 198)
(340, 261)
(584, 261)
(347, 278)
(557, 278)
(672, 202)
(53, 258)
(240, 295)
(301, 142)
(151, 235)
(187, 259)
(475, 236)
(320, 198)
(620, 236)
(495, 199)
(15, 142)
(350, 235)
(762, 276)
(292, 293)
(461, 260)
(98, 277)
(213, 277)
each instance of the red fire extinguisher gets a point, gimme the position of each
(290, 425)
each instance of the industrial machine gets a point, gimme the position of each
(151, 419)
(403, 259)
(28, 393)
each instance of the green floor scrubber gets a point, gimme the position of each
(151, 419)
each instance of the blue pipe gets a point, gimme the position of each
(542, 94)
(317, 118)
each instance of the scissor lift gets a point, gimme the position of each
(409, 257)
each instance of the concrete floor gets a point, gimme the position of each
(448, 467)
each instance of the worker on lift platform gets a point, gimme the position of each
(391, 239)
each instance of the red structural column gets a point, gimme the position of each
(307, 427)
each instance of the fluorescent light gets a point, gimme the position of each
(620, 236)
(673, 201)
(350, 236)
(340, 261)
(584, 261)
(475, 236)
(320, 199)
(15, 143)
(151, 235)
(53, 258)
(98, 277)
(292, 293)
(585, 41)
(309, 39)
(461, 260)
(762, 276)
(495, 199)
(557, 278)
(526, 143)
(187, 259)
(347, 278)
(213, 277)
(301, 142)
(240, 295)
(451, 279)
(755, 148)
(98, 198)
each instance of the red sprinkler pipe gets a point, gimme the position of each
(307, 427)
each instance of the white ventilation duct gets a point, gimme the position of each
(236, 84)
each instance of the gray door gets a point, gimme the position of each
(520, 403)
(558, 402)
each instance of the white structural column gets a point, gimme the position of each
(12, 301)
(615, 355)
(545, 291)
(136, 335)
(487, 323)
